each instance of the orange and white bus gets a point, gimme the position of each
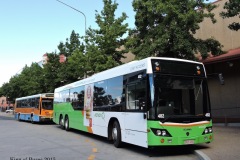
(34, 108)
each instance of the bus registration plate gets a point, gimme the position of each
(189, 142)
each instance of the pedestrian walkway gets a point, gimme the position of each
(226, 144)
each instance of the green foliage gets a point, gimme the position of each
(51, 71)
(163, 28)
(102, 43)
(75, 67)
(70, 45)
(32, 78)
(166, 28)
(5, 90)
(99, 53)
(232, 9)
(207, 46)
(29, 82)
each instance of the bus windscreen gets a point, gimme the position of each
(47, 104)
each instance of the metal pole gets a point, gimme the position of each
(84, 18)
(77, 11)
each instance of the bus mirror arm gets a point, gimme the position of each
(144, 115)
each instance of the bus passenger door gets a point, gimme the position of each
(135, 123)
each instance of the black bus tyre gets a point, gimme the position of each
(66, 123)
(116, 134)
(61, 122)
(19, 118)
(32, 119)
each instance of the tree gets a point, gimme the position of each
(32, 78)
(102, 44)
(14, 87)
(28, 82)
(100, 53)
(51, 72)
(232, 9)
(62, 48)
(75, 67)
(70, 45)
(4, 90)
(166, 28)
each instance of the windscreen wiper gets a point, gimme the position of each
(171, 116)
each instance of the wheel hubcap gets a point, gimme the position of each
(66, 124)
(62, 122)
(114, 133)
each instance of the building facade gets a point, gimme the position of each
(228, 38)
(225, 99)
(5, 104)
(62, 59)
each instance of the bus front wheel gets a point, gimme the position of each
(61, 122)
(32, 121)
(116, 134)
(18, 117)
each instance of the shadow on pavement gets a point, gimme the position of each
(151, 152)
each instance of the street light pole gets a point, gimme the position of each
(77, 11)
(84, 18)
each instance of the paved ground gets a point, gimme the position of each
(226, 144)
(26, 141)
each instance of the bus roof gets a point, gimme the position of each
(48, 95)
(137, 65)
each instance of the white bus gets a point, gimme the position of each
(151, 102)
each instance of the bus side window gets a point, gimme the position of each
(115, 94)
(101, 100)
(77, 98)
(37, 102)
(136, 96)
(136, 89)
(131, 97)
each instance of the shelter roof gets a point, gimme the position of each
(230, 55)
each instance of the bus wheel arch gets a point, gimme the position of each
(66, 123)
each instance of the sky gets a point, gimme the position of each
(30, 28)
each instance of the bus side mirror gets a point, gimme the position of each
(221, 80)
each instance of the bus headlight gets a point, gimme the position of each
(164, 133)
(158, 132)
(161, 132)
(207, 130)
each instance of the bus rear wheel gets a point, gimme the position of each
(116, 134)
(66, 123)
